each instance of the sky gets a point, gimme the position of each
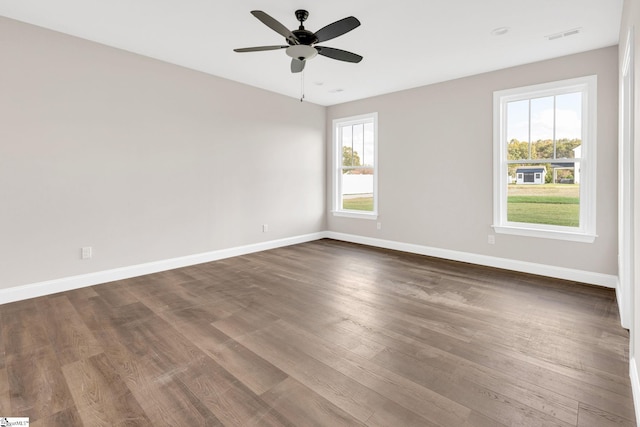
(362, 142)
(567, 118)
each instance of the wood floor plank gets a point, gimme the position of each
(5, 398)
(96, 313)
(163, 341)
(23, 329)
(37, 387)
(308, 409)
(3, 352)
(208, 311)
(69, 417)
(588, 416)
(138, 369)
(225, 396)
(320, 333)
(116, 294)
(68, 333)
(101, 396)
(254, 371)
(244, 321)
(168, 297)
(171, 403)
(359, 401)
(537, 397)
(278, 345)
(573, 384)
(514, 363)
(480, 398)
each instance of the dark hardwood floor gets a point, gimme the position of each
(323, 333)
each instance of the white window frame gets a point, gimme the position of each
(337, 166)
(586, 232)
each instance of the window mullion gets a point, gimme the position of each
(554, 128)
(529, 128)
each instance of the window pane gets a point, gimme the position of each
(357, 189)
(533, 197)
(518, 129)
(369, 150)
(346, 133)
(568, 125)
(358, 144)
(542, 124)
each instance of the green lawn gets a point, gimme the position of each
(358, 204)
(557, 204)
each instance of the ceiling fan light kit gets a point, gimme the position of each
(301, 52)
(301, 43)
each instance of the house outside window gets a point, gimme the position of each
(355, 158)
(545, 160)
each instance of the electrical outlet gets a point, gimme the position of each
(491, 239)
(265, 228)
(379, 226)
(86, 252)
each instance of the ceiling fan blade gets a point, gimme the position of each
(275, 26)
(336, 29)
(259, 48)
(297, 65)
(339, 54)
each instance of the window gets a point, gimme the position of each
(355, 144)
(544, 160)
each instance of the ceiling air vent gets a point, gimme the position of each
(563, 34)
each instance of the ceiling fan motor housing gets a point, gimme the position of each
(304, 36)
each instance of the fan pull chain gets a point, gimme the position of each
(302, 86)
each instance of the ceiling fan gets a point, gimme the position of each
(301, 43)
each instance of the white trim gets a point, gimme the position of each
(592, 278)
(625, 317)
(356, 214)
(626, 172)
(48, 287)
(526, 230)
(635, 385)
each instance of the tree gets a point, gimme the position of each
(542, 149)
(350, 157)
(548, 178)
(518, 150)
(564, 148)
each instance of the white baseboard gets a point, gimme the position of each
(635, 386)
(49, 287)
(605, 280)
(625, 316)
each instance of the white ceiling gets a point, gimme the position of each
(405, 43)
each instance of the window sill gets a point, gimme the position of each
(547, 234)
(356, 214)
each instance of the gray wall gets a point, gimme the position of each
(142, 160)
(440, 136)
